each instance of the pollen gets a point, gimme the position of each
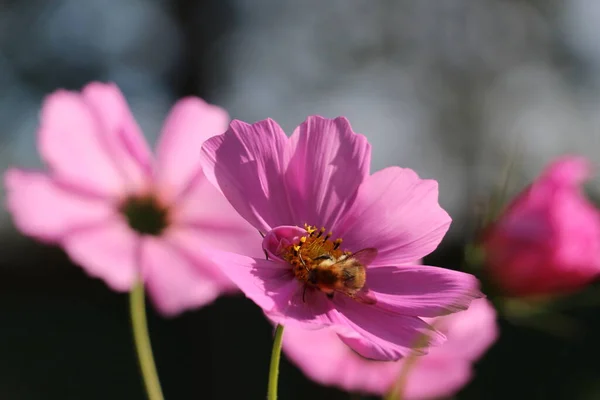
(310, 250)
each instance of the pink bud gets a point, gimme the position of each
(548, 238)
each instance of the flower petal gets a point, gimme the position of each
(421, 290)
(175, 281)
(108, 251)
(272, 286)
(211, 221)
(48, 210)
(444, 370)
(189, 124)
(301, 307)
(397, 213)
(247, 163)
(260, 280)
(436, 377)
(328, 164)
(276, 241)
(192, 242)
(470, 333)
(568, 171)
(324, 358)
(121, 134)
(70, 141)
(380, 334)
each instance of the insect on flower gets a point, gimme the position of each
(320, 264)
(341, 243)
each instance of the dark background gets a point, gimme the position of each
(449, 88)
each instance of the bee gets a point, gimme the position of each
(345, 274)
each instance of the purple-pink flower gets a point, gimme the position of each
(118, 211)
(548, 238)
(442, 372)
(340, 244)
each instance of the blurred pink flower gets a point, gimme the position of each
(320, 177)
(548, 239)
(119, 212)
(442, 372)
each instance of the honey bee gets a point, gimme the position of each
(345, 274)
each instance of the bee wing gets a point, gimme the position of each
(365, 256)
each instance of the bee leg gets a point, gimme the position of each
(329, 296)
(264, 251)
(304, 294)
(303, 263)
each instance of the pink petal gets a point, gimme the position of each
(189, 124)
(434, 377)
(70, 140)
(48, 210)
(442, 372)
(259, 279)
(470, 333)
(193, 242)
(398, 214)
(380, 334)
(121, 136)
(277, 240)
(328, 164)
(568, 171)
(211, 221)
(421, 290)
(109, 251)
(272, 286)
(176, 281)
(301, 307)
(324, 358)
(247, 163)
(447, 368)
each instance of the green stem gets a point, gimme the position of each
(398, 389)
(137, 308)
(274, 368)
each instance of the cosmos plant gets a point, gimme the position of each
(341, 245)
(130, 218)
(302, 227)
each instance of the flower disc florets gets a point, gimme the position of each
(312, 250)
(145, 214)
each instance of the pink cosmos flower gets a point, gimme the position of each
(121, 213)
(548, 238)
(442, 372)
(319, 177)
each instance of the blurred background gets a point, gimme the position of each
(454, 89)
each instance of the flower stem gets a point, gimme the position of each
(274, 368)
(397, 391)
(137, 308)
